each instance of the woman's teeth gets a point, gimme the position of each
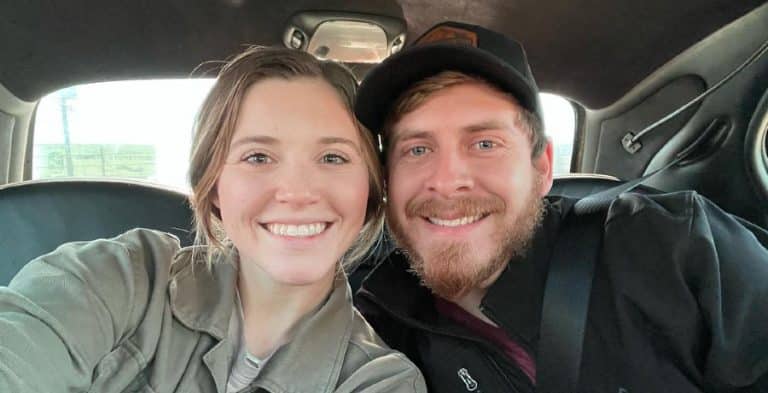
(302, 230)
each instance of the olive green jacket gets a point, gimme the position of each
(134, 314)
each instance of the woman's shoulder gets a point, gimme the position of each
(365, 339)
(150, 249)
(115, 261)
(134, 241)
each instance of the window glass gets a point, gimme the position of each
(142, 130)
(139, 130)
(560, 126)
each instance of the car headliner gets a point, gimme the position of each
(590, 51)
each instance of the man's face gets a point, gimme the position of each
(464, 193)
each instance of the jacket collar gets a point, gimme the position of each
(204, 300)
(394, 287)
(312, 361)
(514, 300)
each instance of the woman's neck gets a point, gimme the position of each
(272, 310)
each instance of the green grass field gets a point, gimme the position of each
(127, 161)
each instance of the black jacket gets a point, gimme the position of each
(679, 304)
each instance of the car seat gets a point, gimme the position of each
(38, 216)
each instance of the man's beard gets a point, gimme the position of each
(450, 273)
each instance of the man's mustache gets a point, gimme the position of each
(436, 207)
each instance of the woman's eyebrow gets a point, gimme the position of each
(329, 140)
(263, 139)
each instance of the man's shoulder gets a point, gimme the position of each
(671, 205)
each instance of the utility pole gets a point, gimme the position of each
(65, 98)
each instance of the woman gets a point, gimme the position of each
(284, 182)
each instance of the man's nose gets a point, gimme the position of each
(296, 186)
(451, 174)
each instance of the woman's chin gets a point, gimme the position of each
(302, 276)
(290, 269)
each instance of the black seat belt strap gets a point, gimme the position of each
(566, 302)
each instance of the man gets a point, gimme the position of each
(680, 289)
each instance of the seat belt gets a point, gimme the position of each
(566, 302)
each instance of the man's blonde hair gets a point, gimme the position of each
(417, 94)
(215, 127)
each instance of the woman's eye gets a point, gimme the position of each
(258, 158)
(417, 151)
(335, 159)
(485, 145)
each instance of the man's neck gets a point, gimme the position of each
(471, 304)
(472, 300)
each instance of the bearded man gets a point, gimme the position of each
(680, 288)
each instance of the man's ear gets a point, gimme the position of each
(543, 165)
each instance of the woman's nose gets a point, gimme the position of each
(296, 186)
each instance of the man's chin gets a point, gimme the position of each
(449, 270)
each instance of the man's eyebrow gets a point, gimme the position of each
(409, 134)
(263, 139)
(329, 140)
(486, 125)
(476, 127)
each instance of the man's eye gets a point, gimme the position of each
(485, 145)
(335, 159)
(417, 151)
(258, 158)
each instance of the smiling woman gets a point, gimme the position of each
(262, 295)
(278, 192)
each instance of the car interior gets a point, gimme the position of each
(646, 81)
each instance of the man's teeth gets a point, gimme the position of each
(456, 222)
(303, 230)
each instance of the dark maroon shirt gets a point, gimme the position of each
(494, 334)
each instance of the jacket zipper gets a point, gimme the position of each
(430, 329)
(501, 371)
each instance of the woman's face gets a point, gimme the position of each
(294, 187)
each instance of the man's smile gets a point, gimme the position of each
(455, 222)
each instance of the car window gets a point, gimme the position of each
(142, 130)
(560, 125)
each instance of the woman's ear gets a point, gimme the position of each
(215, 198)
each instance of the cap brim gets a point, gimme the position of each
(387, 81)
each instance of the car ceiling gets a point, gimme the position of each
(591, 51)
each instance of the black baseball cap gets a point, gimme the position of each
(453, 46)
